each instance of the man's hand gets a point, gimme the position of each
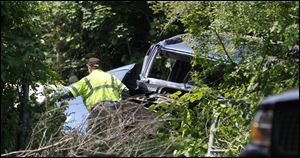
(63, 94)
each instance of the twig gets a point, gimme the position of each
(220, 40)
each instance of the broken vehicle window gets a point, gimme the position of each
(170, 66)
(161, 66)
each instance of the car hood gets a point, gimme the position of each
(121, 72)
(126, 74)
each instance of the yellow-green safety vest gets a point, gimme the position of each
(98, 87)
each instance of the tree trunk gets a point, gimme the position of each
(23, 117)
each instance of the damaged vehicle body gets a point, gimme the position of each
(166, 69)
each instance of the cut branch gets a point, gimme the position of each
(38, 150)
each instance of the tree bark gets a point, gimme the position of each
(23, 117)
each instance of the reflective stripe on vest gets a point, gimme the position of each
(100, 87)
(75, 90)
(90, 86)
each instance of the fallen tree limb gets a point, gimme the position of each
(39, 149)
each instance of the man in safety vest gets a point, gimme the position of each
(100, 91)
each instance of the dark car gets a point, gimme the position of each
(275, 128)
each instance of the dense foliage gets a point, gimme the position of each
(269, 68)
(24, 63)
(47, 42)
(101, 29)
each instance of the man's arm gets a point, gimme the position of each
(67, 95)
(64, 94)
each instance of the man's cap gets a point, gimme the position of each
(93, 62)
